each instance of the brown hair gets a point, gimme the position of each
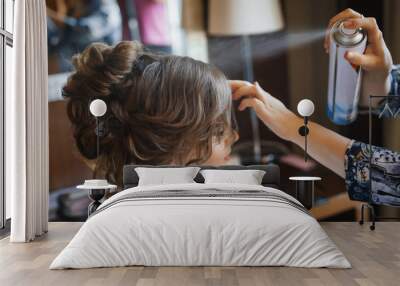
(161, 109)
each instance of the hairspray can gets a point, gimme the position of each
(344, 79)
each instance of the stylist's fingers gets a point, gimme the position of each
(245, 90)
(348, 13)
(365, 61)
(369, 25)
(252, 102)
(249, 91)
(236, 84)
(264, 95)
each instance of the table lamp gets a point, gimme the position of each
(305, 108)
(244, 18)
(98, 108)
(305, 185)
(97, 188)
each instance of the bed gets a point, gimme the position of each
(198, 224)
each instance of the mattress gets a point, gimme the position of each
(201, 225)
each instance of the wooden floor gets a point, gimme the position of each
(375, 256)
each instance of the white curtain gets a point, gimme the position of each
(27, 124)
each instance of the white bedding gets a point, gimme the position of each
(183, 231)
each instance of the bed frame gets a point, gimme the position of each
(270, 179)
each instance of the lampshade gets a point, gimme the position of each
(244, 17)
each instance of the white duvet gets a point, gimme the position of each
(192, 231)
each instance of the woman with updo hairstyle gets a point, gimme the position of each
(161, 109)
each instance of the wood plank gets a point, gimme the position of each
(375, 257)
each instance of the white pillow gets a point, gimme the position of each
(248, 177)
(165, 176)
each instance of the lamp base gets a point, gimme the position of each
(96, 195)
(305, 190)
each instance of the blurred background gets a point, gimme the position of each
(279, 43)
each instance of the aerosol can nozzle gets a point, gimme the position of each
(347, 31)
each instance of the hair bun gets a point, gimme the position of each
(98, 69)
(121, 58)
(91, 59)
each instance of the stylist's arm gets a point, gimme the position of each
(376, 61)
(324, 145)
(349, 159)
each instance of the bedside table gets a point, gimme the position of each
(305, 191)
(97, 189)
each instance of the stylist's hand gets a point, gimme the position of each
(377, 57)
(270, 110)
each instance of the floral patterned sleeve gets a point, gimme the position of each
(385, 164)
(384, 174)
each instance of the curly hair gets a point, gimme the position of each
(162, 109)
